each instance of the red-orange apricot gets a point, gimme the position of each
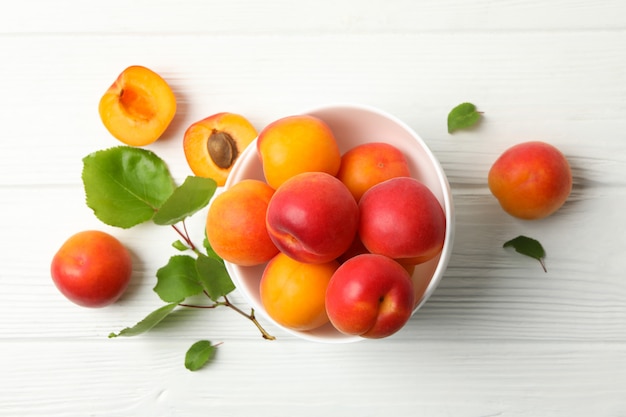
(531, 180)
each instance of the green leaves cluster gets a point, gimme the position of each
(127, 186)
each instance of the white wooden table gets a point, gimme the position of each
(499, 337)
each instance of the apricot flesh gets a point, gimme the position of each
(138, 107)
(531, 180)
(235, 224)
(213, 144)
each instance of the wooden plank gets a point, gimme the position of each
(280, 17)
(464, 379)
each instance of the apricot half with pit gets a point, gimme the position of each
(138, 106)
(212, 145)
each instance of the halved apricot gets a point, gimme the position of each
(212, 145)
(138, 106)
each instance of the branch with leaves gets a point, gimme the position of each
(127, 186)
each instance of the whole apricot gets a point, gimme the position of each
(369, 164)
(235, 224)
(401, 218)
(92, 268)
(531, 180)
(138, 107)
(297, 144)
(213, 144)
(312, 217)
(293, 293)
(371, 296)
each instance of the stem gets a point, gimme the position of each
(185, 236)
(197, 306)
(250, 317)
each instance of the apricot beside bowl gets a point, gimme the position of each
(353, 125)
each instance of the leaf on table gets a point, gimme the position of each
(191, 196)
(147, 323)
(199, 354)
(462, 116)
(178, 279)
(529, 247)
(125, 186)
(214, 277)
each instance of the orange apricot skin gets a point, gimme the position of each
(293, 293)
(369, 164)
(531, 180)
(235, 224)
(138, 107)
(296, 144)
(197, 135)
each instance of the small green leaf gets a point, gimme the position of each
(462, 116)
(529, 247)
(147, 323)
(125, 186)
(180, 246)
(214, 277)
(199, 354)
(190, 197)
(178, 279)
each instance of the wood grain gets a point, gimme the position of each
(499, 337)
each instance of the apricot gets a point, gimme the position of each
(369, 164)
(212, 145)
(235, 224)
(297, 144)
(371, 296)
(312, 217)
(293, 293)
(92, 268)
(531, 180)
(401, 218)
(138, 106)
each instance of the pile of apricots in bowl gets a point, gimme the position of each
(335, 223)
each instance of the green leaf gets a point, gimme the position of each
(199, 354)
(214, 277)
(178, 245)
(190, 197)
(462, 116)
(147, 323)
(209, 249)
(125, 186)
(529, 247)
(178, 279)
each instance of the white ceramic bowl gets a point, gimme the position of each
(353, 125)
